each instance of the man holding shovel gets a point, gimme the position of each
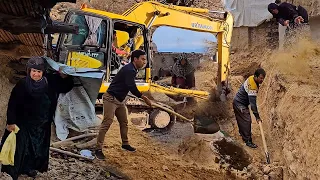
(247, 95)
(113, 101)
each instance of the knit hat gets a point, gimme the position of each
(36, 62)
(272, 6)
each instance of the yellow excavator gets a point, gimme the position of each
(94, 45)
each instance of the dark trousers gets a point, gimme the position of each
(243, 118)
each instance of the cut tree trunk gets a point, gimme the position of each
(19, 25)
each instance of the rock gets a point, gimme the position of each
(165, 168)
(276, 173)
(266, 169)
(250, 167)
(265, 177)
(71, 160)
(216, 160)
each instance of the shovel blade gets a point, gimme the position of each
(268, 157)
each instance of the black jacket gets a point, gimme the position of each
(124, 82)
(289, 12)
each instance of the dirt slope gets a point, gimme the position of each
(290, 104)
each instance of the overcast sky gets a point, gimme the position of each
(170, 39)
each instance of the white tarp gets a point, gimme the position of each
(76, 109)
(249, 13)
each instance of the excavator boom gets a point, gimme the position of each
(220, 24)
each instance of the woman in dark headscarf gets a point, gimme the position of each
(183, 74)
(31, 107)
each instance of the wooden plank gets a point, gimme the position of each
(31, 41)
(25, 6)
(37, 39)
(7, 35)
(29, 7)
(2, 9)
(7, 8)
(19, 7)
(23, 38)
(3, 36)
(13, 9)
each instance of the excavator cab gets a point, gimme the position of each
(103, 42)
(96, 46)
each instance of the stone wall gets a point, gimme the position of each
(162, 62)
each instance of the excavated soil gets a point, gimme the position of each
(290, 107)
(233, 154)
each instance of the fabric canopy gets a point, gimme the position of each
(249, 13)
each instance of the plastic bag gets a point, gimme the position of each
(9, 148)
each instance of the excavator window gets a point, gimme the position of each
(88, 48)
(126, 33)
(85, 23)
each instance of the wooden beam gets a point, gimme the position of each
(69, 153)
(19, 25)
(74, 138)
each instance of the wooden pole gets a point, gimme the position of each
(165, 109)
(22, 24)
(74, 138)
(264, 143)
(69, 153)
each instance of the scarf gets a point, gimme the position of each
(36, 88)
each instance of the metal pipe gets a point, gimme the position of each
(152, 21)
(219, 12)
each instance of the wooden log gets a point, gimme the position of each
(69, 153)
(88, 144)
(74, 138)
(19, 25)
(61, 27)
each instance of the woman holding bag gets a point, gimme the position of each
(31, 107)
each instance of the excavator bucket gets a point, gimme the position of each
(205, 125)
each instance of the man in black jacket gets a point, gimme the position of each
(286, 13)
(113, 101)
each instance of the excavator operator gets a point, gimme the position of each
(288, 14)
(114, 45)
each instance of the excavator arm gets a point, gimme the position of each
(220, 24)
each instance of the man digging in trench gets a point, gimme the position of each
(247, 95)
(113, 101)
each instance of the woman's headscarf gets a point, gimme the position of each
(272, 6)
(36, 88)
(182, 70)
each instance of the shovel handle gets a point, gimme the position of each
(171, 111)
(264, 143)
(165, 109)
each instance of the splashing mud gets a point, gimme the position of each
(232, 154)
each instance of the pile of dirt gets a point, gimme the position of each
(232, 154)
(5, 89)
(197, 150)
(290, 106)
(153, 159)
